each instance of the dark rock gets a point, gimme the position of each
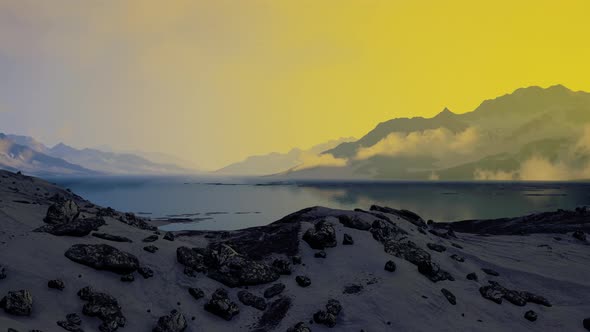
(232, 269)
(275, 313)
(321, 236)
(56, 284)
(450, 297)
(169, 236)
(196, 293)
(72, 323)
(73, 319)
(390, 266)
(586, 323)
(62, 212)
(193, 258)
(496, 292)
(354, 222)
(145, 272)
(103, 257)
(173, 322)
(405, 214)
(456, 245)
(303, 281)
(530, 315)
(226, 266)
(436, 247)
(472, 276)
(151, 249)
(128, 278)
(433, 272)
(296, 260)
(320, 254)
(104, 307)
(580, 235)
(329, 316)
(18, 303)
(111, 237)
(299, 327)
(490, 272)
(409, 251)
(282, 266)
(384, 231)
(347, 240)
(458, 258)
(274, 290)
(78, 227)
(2, 272)
(220, 305)
(445, 234)
(134, 221)
(352, 289)
(150, 238)
(252, 300)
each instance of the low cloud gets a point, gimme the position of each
(539, 168)
(311, 160)
(438, 143)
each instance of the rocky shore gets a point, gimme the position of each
(69, 265)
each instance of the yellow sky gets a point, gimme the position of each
(216, 81)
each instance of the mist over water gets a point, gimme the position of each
(215, 204)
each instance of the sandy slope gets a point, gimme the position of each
(400, 301)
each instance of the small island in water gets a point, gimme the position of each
(66, 262)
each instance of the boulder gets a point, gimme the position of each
(320, 254)
(62, 212)
(220, 305)
(282, 266)
(303, 281)
(321, 236)
(530, 316)
(299, 327)
(134, 221)
(2, 272)
(78, 227)
(433, 271)
(151, 238)
(252, 300)
(128, 278)
(384, 231)
(579, 235)
(274, 290)
(72, 323)
(56, 284)
(173, 322)
(347, 240)
(18, 303)
(352, 289)
(104, 307)
(169, 236)
(111, 237)
(496, 292)
(329, 316)
(193, 258)
(436, 247)
(490, 272)
(196, 293)
(150, 249)
(103, 257)
(390, 266)
(145, 272)
(354, 222)
(457, 258)
(586, 323)
(275, 313)
(450, 296)
(472, 276)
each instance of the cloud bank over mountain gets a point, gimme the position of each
(532, 134)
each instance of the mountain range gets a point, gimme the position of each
(533, 133)
(26, 154)
(276, 162)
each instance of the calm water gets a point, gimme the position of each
(232, 204)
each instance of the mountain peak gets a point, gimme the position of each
(445, 112)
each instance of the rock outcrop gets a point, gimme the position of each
(103, 257)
